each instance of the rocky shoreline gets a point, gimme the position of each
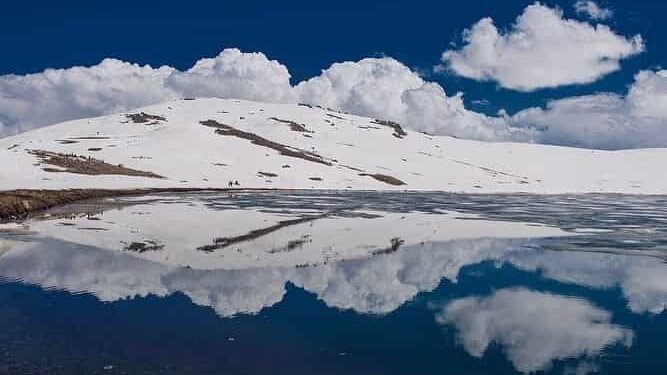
(18, 204)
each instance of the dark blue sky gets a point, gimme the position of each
(307, 36)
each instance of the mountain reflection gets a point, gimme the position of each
(375, 285)
(240, 260)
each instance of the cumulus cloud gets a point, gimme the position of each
(542, 49)
(380, 285)
(109, 276)
(385, 88)
(643, 280)
(234, 74)
(374, 87)
(648, 95)
(604, 121)
(533, 328)
(55, 95)
(592, 10)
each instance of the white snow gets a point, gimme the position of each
(189, 154)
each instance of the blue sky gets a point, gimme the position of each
(306, 36)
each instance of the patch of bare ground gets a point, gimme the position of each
(85, 165)
(395, 245)
(142, 247)
(294, 126)
(91, 137)
(384, 178)
(292, 245)
(492, 172)
(320, 107)
(353, 168)
(334, 116)
(144, 118)
(223, 242)
(267, 174)
(398, 130)
(16, 204)
(255, 139)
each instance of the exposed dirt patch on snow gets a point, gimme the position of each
(294, 126)
(223, 242)
(292, 245)
(227, 130)
(145, 118)
(142, 247)
(493, 172)
(384, 178)
(18, 204)
(85, 165)
(398, 130)
(93, 137)
(334, 116)
(395, 245)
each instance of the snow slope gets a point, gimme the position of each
(342, 152)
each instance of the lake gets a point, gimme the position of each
(323, 282)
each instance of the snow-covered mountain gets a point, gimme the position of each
(206, 143)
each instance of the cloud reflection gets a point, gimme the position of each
(532, 328)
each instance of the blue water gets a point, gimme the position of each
(592, 303)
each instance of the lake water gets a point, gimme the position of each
(337, 283)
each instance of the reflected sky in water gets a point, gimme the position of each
(331, 283)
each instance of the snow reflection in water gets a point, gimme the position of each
(369, 253)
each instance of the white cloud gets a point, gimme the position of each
(382, 88)
(35, 100)
(387, 89)
(235, 74)
(643, 280)
(606, 121)
(374, 87)
(646, 288)
(533, 328)
(648, 95)
(542, 49)
(592, 10)
(377, 285)
(56, 95)
(380, 285)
